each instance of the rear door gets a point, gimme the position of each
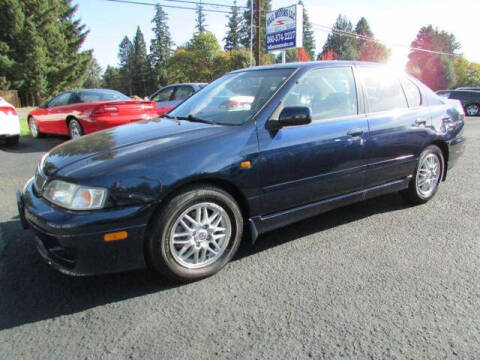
(397, 131)
(307, 163)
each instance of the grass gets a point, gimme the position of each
(22, 118)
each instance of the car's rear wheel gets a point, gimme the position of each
(75, 129)
(472, 110)
(427, 177)
(195, 235)
(33, 127)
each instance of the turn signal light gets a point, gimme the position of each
(245, 164)
(120, 235)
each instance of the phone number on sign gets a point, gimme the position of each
(280, 37)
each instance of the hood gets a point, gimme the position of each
(113, 143)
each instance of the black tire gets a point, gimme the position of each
(12, 140)
(33, 127)
(159, 255)
(413, 194)
(75, 129)
(472, 110)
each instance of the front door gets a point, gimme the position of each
(307, 163)
(54, 119)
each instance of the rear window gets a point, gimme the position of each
(101, 95)
(383, 89)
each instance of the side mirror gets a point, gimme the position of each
(291, 116)
(44, 105)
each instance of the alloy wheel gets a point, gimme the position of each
(75, 130)
(33, 127)
(200, 235)
(428, 175)
(472, 110)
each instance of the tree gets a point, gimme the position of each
(160, 47)
(369, 50)
(94, 78)
(232, 40)
(343, 46)
(125, 58)
(308, 35)
(112, 79)
(200, 24)
(245, 28)
(40, 44)
(435, 70)
(141, 66)
(466, 73)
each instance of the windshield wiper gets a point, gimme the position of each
(193, 119)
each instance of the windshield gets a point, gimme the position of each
(233, 98)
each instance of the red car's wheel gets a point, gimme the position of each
(75, 129)
(33, 127)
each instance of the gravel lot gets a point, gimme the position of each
(378, 279)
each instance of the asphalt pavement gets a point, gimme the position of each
(378, 279)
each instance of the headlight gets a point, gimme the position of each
(75, 197)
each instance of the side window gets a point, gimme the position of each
(163, 95)
(60, 100)
(182, 92)
(412, 92)
(383, 89)
(328, 92)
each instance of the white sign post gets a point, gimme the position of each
(284, 29)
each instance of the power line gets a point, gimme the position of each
(362, 37)
(207, 3)
(167, 6)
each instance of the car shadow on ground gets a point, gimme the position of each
(27, 144)
(32, 291)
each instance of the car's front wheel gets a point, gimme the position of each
(472, 110)
(33, 127)
(195, 235)
(75, 129)
(427, 176)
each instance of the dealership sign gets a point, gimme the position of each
(285, 28)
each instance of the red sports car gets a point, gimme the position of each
(79, 112)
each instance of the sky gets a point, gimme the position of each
(395, 22)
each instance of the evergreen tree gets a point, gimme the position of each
(112, 79)
(125, 58)
(369, 50)
(40, 45)
(308, 35)
(245, 28)
(435, 70)
(160, 47)
(200, 20)
(232, 40)
(141, 66)
(343, 46)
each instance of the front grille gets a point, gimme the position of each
(40, 181)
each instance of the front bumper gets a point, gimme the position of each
(73, 241)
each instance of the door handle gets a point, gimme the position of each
(420, 122)
(355, 133)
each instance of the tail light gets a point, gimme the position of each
(106, 109)
(8, 110)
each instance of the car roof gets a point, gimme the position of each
(310, 64)
(185, 84)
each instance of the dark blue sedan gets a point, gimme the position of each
(255, 150)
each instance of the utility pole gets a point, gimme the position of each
(259, 26)
(251, 33)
